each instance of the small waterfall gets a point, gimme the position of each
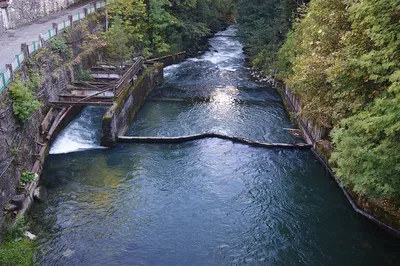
(82, 133)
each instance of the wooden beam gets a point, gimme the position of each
(63, 103)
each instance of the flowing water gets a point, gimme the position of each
(206, 202)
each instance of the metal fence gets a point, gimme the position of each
(6, 75)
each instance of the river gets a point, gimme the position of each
(206, 202)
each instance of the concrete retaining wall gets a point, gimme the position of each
(117, 119)
(20, 12)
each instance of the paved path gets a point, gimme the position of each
(10, 41)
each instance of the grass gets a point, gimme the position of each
(17, 253)
(16, 250)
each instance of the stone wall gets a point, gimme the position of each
(117, 119)
(21, 12)
(2, 26)
(312, 132)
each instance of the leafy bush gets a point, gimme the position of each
(83, 75)
(27, 177)
(366, 149)
(24, 102)
(59, 45)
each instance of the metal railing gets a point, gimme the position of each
(6, 75)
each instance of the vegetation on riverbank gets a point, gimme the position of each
(342, 57)
(15, 249)
(158, 27)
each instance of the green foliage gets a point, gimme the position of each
(83, 75)
(59, 45)
(162, 24)
(27, 177)
(263, 26)
(24, 102)
(16, 250)
(367, 142)
(366, 149)
(16, 230)
(17, 253)
(118, 50)
(342, 58)
(159, 27)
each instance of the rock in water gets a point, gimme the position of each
(40, 193)
(10, 207)
(30, 235)
(68, 253)
(18, 200)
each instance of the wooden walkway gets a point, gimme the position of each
(106, 85)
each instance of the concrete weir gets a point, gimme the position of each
(121, 113)
(181, 139)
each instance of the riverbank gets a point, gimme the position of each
(384, 213)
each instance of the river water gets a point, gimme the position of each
(206, 202)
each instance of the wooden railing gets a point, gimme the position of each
(128, 77)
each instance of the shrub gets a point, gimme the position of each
(27, 177)
(24, 102)
(83, 75)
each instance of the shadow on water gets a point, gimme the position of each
(205, 202)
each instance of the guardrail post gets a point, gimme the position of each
(3, 79)
(55, 27)
(85, 11)
(25, 50)
(18, 61)
(9, 66)
(70, 19)
(41, 40)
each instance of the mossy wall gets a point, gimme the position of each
(118, 117)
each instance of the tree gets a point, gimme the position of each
(118, 49)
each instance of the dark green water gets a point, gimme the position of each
(207, 202)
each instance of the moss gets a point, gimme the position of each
(17, 253)
(16, 249)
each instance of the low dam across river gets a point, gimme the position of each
(213, 200)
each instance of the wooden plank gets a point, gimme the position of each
(94, 96)
(165, 57)
(46, 121)
(128, 76)
(63, 103)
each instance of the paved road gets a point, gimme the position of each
(10, 41)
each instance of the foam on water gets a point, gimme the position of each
(82, 133)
